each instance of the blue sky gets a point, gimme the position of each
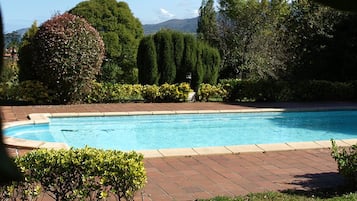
(19, 14)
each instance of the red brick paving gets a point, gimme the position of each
(190, 178)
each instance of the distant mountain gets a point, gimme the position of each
(21, 32)
(14, 37)
(183, 25)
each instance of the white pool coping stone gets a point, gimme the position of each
(43, 118)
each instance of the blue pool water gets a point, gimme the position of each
(145, 132)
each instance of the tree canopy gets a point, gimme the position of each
(120, 30)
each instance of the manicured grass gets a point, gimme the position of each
(289, 196)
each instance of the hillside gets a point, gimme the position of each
(183, 25)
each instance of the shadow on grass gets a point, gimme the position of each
(321, 185)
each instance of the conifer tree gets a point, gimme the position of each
(147, 62)
(207, 23)
(26, 71)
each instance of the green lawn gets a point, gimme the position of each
(289, 196)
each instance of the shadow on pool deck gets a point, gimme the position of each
(207, 176)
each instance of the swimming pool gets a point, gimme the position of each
(147, 132)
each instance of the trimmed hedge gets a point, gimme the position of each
(27, 92)
(281, 91)
(78, 174)
(33, 92)
(208, 92)
(119, 93)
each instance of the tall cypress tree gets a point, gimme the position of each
(147, 62)
(26, 71)
(207, 23)
(179, 47)
(165, 57)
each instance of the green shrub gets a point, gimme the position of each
(208, 92)
(151, 93)
(68, 54)
(322, 90)
(26, 92)
(272, 90)
(32, 92)
(80, 174)
(174, 92)
(346, 162)
(114, 93)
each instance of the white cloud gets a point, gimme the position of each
(195, 13)
(166, 13)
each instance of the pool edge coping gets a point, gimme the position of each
(42, 118)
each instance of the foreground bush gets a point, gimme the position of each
(346, 162)
(79, 174)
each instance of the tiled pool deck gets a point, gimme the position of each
(188, 174)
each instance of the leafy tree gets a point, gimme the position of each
(207, 23)
(165, 56)
(120, 30)
(68, 53)
(147, 62)
(26, 54)
(311, 27)
(250, 33)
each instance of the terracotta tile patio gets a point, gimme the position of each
(193, 177)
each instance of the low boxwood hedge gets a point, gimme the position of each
(78, 174)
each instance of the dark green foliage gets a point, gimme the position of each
(26, 51)
(190, 53)
(321, 90)
(165, 56)
(179, 47)
(345, 5)
(278, 91)
(198, 72)
(110, 72)
(120, 30)
(68, 54)
(178, 56)
(211, 63)
(147, 62)
(29, 92)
